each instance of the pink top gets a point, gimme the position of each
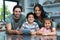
(43, 29)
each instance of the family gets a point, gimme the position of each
(38, 22)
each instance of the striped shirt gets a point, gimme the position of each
(33, 27)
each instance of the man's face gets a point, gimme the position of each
(17, 12)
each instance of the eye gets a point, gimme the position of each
(17, 11)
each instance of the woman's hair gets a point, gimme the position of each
(41, 8)
(17, 6)
(50, 22)
(30, 13)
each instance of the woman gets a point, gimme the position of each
(39, 14)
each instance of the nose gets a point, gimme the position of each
(18, 12)
(37, 11)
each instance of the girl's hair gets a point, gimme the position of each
(30, 13)
(50, 22)
(41, 8)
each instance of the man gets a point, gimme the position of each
(14, 21)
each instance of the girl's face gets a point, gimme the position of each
(30, 18)
(37, 11)
(47, 24)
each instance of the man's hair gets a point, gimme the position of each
(17, 6)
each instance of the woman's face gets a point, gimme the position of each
(47, 24)
(37, 11)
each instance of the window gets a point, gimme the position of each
(1, 10)
(6, 8)
(9, 7)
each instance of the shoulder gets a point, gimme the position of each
(42, 29)
(53, 28)
(11, 15)
(25, 23)
(9, 18)
(47, 15)
(35, 23)
(22, 15)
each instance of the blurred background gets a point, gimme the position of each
(52, 7)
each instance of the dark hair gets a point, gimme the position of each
(17, 6)
(50, 22)
(30, 13)
(41, 8)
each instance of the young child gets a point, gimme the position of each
(30, 24)
(47, 28)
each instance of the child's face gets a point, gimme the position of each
(30, 18)
(47, 23)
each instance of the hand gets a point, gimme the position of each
(20, 31)
(44, 34)
(17, 32)
(32, 32)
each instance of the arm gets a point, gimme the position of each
(23, 27)
(53, 32)
(50, 33)
(9, 30)
(39, 32)
(35, 32)
(32, 32)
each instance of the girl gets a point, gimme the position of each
(47, 28)
(30, 24)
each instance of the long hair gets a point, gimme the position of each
(42, 11)
(50, 22)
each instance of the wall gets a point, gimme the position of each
(54, 8)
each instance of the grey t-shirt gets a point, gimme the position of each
(15, 25)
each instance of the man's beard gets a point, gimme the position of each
(16, 16)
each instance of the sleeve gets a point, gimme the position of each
(54, 24)
(37, 25)
(23, 25)
(42, 29)
(47, 15)
(8, 20)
